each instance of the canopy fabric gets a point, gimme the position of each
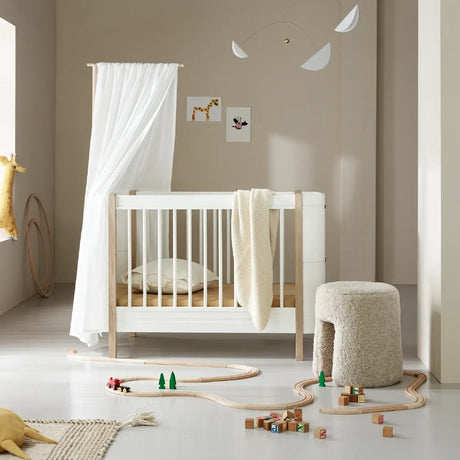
(132, 147)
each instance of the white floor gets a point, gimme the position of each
(39, 382)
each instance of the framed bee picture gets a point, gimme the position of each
(238, 124)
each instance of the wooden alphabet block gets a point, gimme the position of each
(298, 414)
(275, 415)
(353, 398)
(275, 428)
(348, 389)
(320, 433)
(249, 423)
(281, 424)
(292, 425)
(361, 398)
(260, 421)
(357, 389)
(287, 414)
(268, 423)
(303, 427)
(387, 431)
(343, 400)
(377, 418)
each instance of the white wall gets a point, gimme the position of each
(35, 83)
(439, 213)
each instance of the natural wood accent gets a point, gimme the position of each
(133, 260)
(112, 276)
(198, 297)
(299, 275)
(419, 400)
(133, 234)
(299, 387)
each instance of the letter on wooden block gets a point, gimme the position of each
(377, 418)
(320, 433)
(303, 427)
(361, 398)
(275, 428)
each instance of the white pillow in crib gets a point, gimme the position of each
(167, 277)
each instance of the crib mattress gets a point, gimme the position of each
(197, 297)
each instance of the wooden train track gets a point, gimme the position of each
(248, 372)
(411, 391)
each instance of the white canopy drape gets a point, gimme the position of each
(132, 147)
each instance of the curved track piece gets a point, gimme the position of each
(411, 391)
(307, 397)
(299, 387)
(249, 371)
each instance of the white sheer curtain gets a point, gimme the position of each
(132, 147)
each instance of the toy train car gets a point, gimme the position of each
(115, 384)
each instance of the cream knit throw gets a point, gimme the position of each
(254, 229)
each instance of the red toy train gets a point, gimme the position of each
(114, 384)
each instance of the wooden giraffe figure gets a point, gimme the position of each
(7, 221)
(205, 109)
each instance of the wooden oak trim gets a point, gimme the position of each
(299, 276)
(112, 276)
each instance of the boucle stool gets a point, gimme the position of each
(358, 333)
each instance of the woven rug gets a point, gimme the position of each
(77, 439)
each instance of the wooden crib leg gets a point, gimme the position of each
(112, 276)
(298, 276)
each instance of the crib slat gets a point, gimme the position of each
(235, 300)
(221, 275)
(130, 262)
(282, 258)
(205, 258)
(200, 230)
(228, 246)
(214, 240)
(174, 257)
(160, 256)
(144, 257)
(189, 255)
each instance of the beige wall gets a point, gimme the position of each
(397, 142)
(35, 87)
(429, 188)
(439, 213)
(450, 210)
(313, 131)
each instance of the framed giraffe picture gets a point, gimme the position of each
(204, 109)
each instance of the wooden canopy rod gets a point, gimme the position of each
(92, 64)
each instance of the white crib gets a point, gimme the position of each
(205, 227)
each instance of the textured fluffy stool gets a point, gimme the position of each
(358, 333)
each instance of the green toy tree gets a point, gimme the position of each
(172, 381)
(161, 382)
(322, 380)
